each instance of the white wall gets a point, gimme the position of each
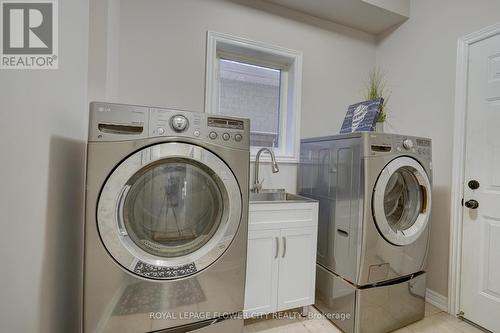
(419, 58)
(43, 130)
(161, 58)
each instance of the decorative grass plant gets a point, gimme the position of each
(376, 88)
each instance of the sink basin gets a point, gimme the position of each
(276, 196)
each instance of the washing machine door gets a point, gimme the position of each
(169, 210)
(402, 201)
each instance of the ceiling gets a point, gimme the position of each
(372, 16)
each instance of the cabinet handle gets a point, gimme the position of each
(277, 247)
(284, 247)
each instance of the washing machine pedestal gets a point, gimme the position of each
(370, 309)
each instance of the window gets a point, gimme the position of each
(251, 80)
(252, 91)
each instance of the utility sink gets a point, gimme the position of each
(276, 195)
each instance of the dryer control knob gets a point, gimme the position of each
(408, 144)
(179, 123)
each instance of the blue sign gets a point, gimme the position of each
(361, 117)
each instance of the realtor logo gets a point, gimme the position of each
(29, 35)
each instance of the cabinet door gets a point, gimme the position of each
(297, 268)
(261, 290)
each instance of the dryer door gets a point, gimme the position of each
(401, 201)
(169, 210)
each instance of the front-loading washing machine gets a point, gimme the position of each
(166, 220)
(374, 193)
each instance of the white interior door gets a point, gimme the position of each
(480, 280)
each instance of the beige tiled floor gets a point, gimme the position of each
(435, 321)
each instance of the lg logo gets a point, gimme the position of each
(29, 34)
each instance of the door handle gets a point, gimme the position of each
(473, 184)
(119, 209)
(284, 247)
(472, 204)
(277, 247)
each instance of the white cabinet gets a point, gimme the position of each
(262, 271)
(281, 256)
(297, 268)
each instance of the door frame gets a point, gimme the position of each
(458, 162)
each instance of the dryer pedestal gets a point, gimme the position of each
(370, 309)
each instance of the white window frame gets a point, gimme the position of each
(289, 62)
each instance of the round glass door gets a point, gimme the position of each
(401, 201)
(173, 207)
(169, 210)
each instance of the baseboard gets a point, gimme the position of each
(436, 299)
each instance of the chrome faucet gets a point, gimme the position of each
(257, 186)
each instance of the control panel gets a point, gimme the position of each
(118, 122)
(168, 122)
(414, 145)
(424, 147)
(225, 131)
(389, 143)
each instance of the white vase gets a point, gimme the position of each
(379, 126)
